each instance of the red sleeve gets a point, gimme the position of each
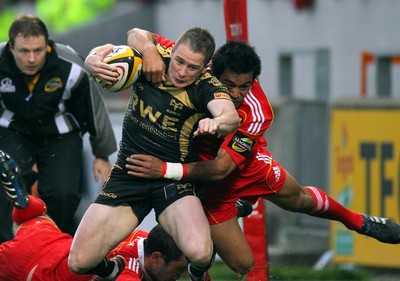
(239, 146)
(164, 41)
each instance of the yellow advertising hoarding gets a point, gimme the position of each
(365, 177)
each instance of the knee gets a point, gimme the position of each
(300, 200)
(200, 255)
(75, 264)
(245, 268)
(244, 265)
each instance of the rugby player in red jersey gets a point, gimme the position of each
(242, 167)
(39, 250)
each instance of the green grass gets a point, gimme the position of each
(306, 273)
(220, 272)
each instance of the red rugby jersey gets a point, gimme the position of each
(256, 115)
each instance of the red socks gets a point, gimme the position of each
(328, 208)
(36, 207)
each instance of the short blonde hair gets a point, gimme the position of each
(200, 41)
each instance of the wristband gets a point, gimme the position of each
(173, 171)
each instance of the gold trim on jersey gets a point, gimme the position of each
(164, 52)
(187, 129)
(180, 94)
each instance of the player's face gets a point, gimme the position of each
(29, 53)
(237, 84)
(185, 66)
(171, 272)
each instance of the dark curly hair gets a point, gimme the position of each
(238, 57)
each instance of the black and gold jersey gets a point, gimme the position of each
(160, 121)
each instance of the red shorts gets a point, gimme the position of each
(261, 176)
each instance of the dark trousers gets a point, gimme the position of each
(59, 163)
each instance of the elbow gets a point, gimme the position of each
(233, 125)
(132, 31)
(218, 177)
(132, 34)
(235, 121)
(229, 126)
(219, 174)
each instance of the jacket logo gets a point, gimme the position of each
(6, 86)
(53, 84)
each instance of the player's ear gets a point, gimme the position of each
(157, 256)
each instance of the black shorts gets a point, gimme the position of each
(143, 195)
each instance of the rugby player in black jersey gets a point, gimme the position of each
(161, 120)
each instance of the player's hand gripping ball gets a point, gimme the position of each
(129, 63)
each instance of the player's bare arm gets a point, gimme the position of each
(95, 65)
(147, 166)
(225, 120)
(153, 66)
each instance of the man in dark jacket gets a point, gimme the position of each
(47, 103)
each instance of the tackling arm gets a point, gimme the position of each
(145, 42)
(147, 166)
(142, 40)
(225, 120)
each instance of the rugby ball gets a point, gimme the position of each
(129, 63)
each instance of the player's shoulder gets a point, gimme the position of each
(2, 45)
(257, 90)
(255, 111)
(257, 97)
(67, 53)
(64, 49)
(206, 78)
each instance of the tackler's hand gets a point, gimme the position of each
(144, 166)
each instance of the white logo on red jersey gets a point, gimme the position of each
(277, 173)
(133, 264)
(265, 158)
(268, 160)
